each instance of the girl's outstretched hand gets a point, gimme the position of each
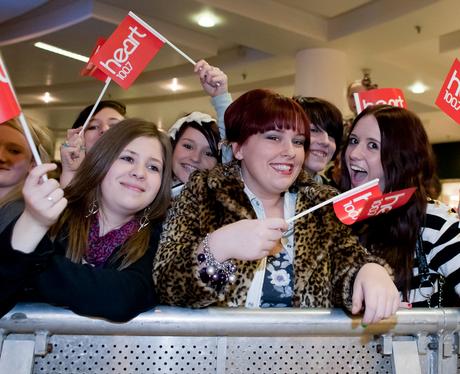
(44, 203)
(375, 292)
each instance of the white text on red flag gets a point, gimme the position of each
(349, 209)
(448, 99)
(389, 96)
(127, 52)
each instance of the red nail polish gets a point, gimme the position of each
(409, 306)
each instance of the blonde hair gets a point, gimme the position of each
(43, 140)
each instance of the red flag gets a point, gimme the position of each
(390, 96)
(449, 97)
(90, 70)
(385, 203)
(9, 106)
(371, 204)
(349, 208)
(128, 50)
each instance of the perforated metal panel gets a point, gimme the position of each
(128, 354)
(215, 340)
(109, 354)
(300, 355)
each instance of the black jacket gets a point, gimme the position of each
(46, 275)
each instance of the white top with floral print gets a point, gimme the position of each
(255, 291)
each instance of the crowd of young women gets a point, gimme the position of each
(202, 217)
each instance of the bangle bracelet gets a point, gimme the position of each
(216, 274)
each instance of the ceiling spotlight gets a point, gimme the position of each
(174, 86)
(46, 98)
(60, 51)
(207, 20)
(418, 88)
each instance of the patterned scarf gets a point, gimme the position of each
(101, 248)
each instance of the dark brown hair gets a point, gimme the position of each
(86, 187)
(325, 116)
(209, 130)
(83, 115)
(259, 111)
(407, 161)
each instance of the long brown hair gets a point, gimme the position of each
(85, 188)
(407, 161)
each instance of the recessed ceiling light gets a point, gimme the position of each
(175, 86)
(46, 98)
(418, 88)
(60, 51)
(207, 19)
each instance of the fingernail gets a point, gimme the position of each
(363, 325)
(409, 306)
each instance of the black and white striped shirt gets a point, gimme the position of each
(441, 245)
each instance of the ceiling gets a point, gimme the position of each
(255, 43)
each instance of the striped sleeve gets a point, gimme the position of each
(441, 242)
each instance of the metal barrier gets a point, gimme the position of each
(39, 338)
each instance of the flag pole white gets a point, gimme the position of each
(334, 199)
(107, 82)
(23, 122)
(357, 103)
(30, 140)
(161, 37)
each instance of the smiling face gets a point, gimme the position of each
(134, 179)
(192, 152)
(15, 158)
(99, 124)
(322, 148)
(271, 161)
(363, 153)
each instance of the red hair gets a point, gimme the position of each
(258, 111)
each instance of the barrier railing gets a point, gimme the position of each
(39, 338)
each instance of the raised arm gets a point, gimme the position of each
(72, 154)
(215, 83)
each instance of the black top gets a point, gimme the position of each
(46, 275)
(10, 212)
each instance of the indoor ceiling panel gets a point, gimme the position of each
(327, 9)
(14, 8)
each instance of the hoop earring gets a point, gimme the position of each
(93, 209)
(144, 221)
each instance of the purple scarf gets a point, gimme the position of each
(101, 248)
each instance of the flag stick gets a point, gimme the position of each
(23, 122)
(357, 103)
(107, 82)
(28, 135)
(334, 199)
(30, 140)
(161, 37)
